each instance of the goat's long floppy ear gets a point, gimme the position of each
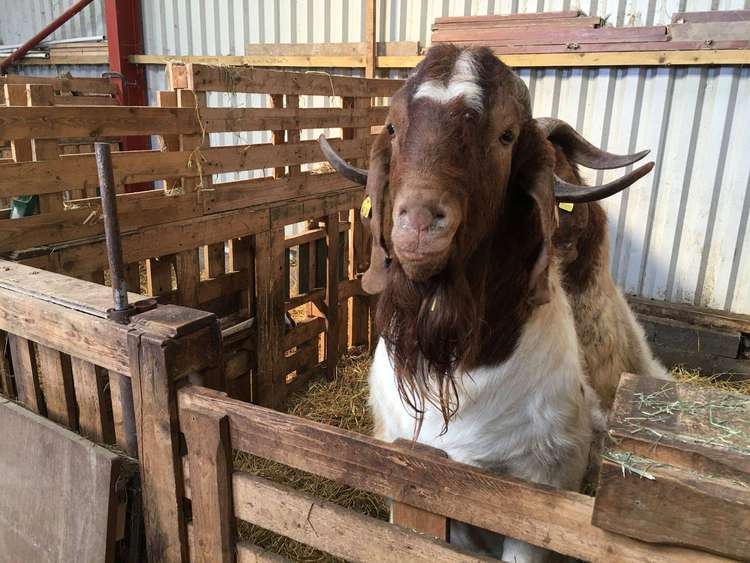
(374, 279)
(533, 173)
(376, 179)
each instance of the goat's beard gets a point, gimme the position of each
(432, 332)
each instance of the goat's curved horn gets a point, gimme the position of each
(566, 192)
(356, 175)
(580, 150)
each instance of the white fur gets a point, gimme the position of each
(530, 416)
(463, 83)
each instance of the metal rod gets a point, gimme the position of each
(103, 155)
(48, 30)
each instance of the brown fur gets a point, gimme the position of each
(470, 313)
(611, 339)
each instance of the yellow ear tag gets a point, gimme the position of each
(566, 207)
(366, 208)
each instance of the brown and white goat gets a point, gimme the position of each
(610, 337)
(478, 354)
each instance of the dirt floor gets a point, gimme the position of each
(343, 403)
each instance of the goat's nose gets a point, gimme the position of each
(421, 218)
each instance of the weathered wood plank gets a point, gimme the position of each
(334, 529)
(57, 382)
(27, 382)
(332, 295)
(68, 509)
(79, 170)
(392, 48)
(249, 553)
(261, 81)
(210, 461)
(76, 85)
(712, 31)
(711, 16)
(101, 123)
(86, 297)
(94, 401)
(557, 520)
(722, 320)
(123, 413)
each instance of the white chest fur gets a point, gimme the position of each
(529, 416)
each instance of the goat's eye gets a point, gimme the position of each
(390, 128)
(507, 137)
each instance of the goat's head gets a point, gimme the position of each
(458, 139)
(461, 176)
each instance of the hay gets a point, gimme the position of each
(718, 381)
(341, 403)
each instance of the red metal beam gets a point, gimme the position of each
(125, 38)
(52, 27)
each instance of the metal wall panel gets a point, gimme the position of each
(22, 19)
(680, 234)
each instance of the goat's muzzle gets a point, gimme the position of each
(424, 226)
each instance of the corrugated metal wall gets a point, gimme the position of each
(21, 19)
(680, 234)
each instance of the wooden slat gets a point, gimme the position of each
(583, 60)
(370, 40)
(534, 36)
(261, 81)
(121, 393)
(94, 402)
(334, 529)
(290, 61)
(15, 95)
(579, 22)
(75, 170)
(722, 320)
(78, 85)
(557, 520)
(532, 16)
(712, 16)
(269, 248)
(304, 331)
(85, 101)
(27, 382)
(57, 382)
(249, 553)
(210, 460)
(7, 385)
(330, 49)
(331, 294)
(187, 270)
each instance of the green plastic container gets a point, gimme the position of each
(23, 206)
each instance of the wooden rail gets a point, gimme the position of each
(554, 519)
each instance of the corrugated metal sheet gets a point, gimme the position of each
(680, 234)
(22, 19)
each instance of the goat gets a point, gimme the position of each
(478, 354)
(610, 337)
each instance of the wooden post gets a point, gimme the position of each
(417, 518)
(370, 41)
(210, 462)
(332, 295)
(167, 344)
(268, 384)
(358, 252)
(292, 102)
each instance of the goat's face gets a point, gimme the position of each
(450, 137)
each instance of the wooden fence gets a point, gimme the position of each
(221, 247)
(127, 385)
(43, 91)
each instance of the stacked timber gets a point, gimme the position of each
(573, 31)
